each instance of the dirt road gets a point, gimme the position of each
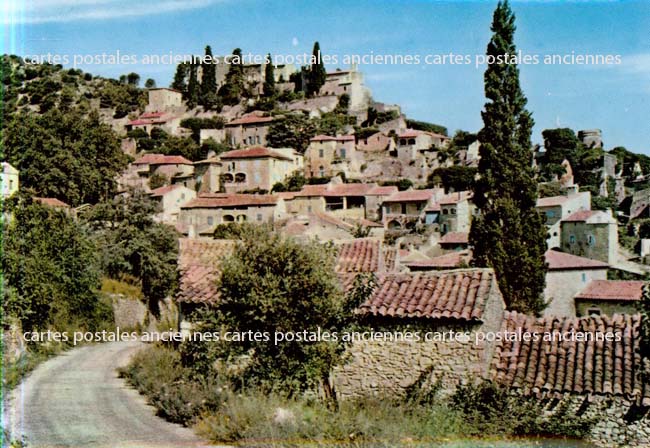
(77, 400)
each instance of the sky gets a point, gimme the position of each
(613, 97)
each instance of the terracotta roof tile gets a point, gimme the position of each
(199, 262)
(455, 238)
(580, 216)
(328, 138)
(250, 119)
(455, 198)
(561, 366)
(161, 191)
(232, 200)
(336, 190)
(459, 294)
(365, 255)
(253, 153)
(617, 290)
(411, 196)
(551, 201)
(446, 261)
(559, 261)
(161, 159)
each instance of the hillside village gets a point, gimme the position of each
(323, 159)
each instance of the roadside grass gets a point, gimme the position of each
(222, 414)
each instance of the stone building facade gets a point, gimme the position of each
(328, 156)
(591, 234)
(257, 168)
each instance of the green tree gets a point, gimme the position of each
(193, 87)
(208, 80)
(269, 78)
(66, 155)
(291, 131)
(234, 88)
(317, 73)
(133, 79)
(150, 83)
(508, 234)
(179, 83)
(51, 270)
(274, 284)
(131, 242)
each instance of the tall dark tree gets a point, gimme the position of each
(508, 234)
(179, 83)
(317, 72)
(150, 83)
(234, 89)
(269, 78)
(193, 88)
(208, 80)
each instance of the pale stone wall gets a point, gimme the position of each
(562, 286)
(390, 368)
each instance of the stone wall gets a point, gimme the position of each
(390, 368)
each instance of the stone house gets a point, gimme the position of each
(404, 209)
(355, 200)
(456, 212)
(376, 143)
(140, 171)
(349, 82)
(148, 121)
(323, 226)
(566, 276)
(328, 156)
(53, 203)
(218, 135)
(556, 208)
(202, 214)
(249, 130)
(640, 206)
(447, 309)
(258, 168)
(9, 180)
(207, 175)
(591, 234)
(412, 143)
(254, 74)
(609, 297)
(454, 241)
(163, 99)
(170, 198)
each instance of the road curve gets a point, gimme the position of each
(77, 400)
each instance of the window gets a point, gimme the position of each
(591, 240)
(259, 216)
(572, 239)
(321, 171)
(402, 141)
(210, 220)
(453, 211)
(258, 139)
(182, 195)
(593, 311)
(342, 153)
(445, 211)
(320, 153)
(584, 278)
(309, 208)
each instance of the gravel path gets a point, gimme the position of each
(77, 400)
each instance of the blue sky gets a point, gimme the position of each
(614, 98)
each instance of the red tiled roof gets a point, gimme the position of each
(232, 200)
(580, 216)
(382, 190)
(328, 138)
(161, 159)
(455, 238)
(161, 191)
(560, 261)
(199, 262)
(51, 202)
(253, 153)
(152, 115)
(446, 261)
(411, 196)
(413, 133)
(551, 201)
(460, 294)
(617, 290)
(455, 198)
(365, 255)
(250, 119)
(330, 219)
(554, 368)
(336, 190)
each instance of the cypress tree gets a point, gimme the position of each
(269, 78)
(192, 88)
(179, 78)
(208, 79)
(508, 234)
(234, 86)
(317, 73)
